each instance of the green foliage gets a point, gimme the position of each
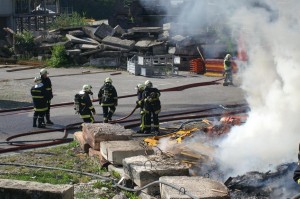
(116, 175)
(58, 57)
(100, 184)
(131, 195)
(24, 43)
(66, 20)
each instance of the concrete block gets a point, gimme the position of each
(116, 151)
(197, 186)
(15, 189)
(99, 158)
(115, 41)
(104, 30)
(78, 136)
(98, 132)
(146, 169)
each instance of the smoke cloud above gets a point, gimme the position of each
(271, 78)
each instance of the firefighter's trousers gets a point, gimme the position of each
(108, 112)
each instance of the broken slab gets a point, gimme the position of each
(197, 186)
(73, 52)
(76, 40)
(104, 30)
(26, 189)
(119, 31)
(116, 151)
(145, 30)
(90, 31)
(115, 41)
(87, 46)
(78, 136)
(143, 170)
(99, 132)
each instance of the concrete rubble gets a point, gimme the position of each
(14, 189)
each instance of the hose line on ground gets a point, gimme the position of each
(180, 189)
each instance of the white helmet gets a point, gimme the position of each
(148, 84)
(140, 87)
(43, 71)
(227, 57)
(108, 80)
(37, 80)
(87, 88)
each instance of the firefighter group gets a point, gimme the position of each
(147, 101)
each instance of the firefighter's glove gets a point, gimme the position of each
(157, 112)
(142, 112)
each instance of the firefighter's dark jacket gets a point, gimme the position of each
(296, 176)
(151, 99)
(48, 86)
(85, 105)
(108, 95)
(39, 97)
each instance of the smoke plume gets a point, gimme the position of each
(271, 79)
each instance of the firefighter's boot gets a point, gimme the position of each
(41, 123)
(34, 121)
(49, 122)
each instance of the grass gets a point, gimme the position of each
(67, 156)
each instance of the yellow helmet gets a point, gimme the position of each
(108, 80)
(37, 80)
(43, 71)
(148, 84)
(87, 87)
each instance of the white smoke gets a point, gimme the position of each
(271, 80)
(272, 84)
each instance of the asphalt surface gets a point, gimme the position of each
(67, 82)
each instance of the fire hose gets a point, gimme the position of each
(136, 122)
(180, 189)
(72, 126)
(177, 88)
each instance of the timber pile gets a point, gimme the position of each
(104, 45)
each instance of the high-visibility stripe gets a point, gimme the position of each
(36, 91)
(39, 97)
(40, 109)
(298, 181)
(91, 107)
(103, 104)
(155, 125)
(48, 89)
(85, 116)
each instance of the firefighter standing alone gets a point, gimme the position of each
(48, 86)
(39, 98)
(152, 107)
(84, 105)
(108, 99)
(227, 70)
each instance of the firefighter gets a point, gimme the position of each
(227, 70)
(48, 85)
(152, 107)
(39, 98)
(140, 104)
(296, 176)
(86, 108)
(108, 99)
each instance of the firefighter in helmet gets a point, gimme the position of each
(48, 85)
(296, 176)
(152, 107)
(39, 98)
(85, 108)
(108, 99)
(227, 70)
(140, 104)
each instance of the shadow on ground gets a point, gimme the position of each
(9, 104)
